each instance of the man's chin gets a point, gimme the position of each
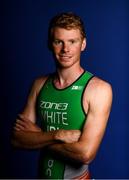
(64, 65)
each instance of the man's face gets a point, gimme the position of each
(67, 46)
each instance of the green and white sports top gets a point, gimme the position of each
(61, 109)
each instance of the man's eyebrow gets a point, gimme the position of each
(73, 39)
(67, 39)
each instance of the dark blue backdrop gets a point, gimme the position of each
(24, 56)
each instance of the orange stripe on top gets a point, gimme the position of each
(85, 175)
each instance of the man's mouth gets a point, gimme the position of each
(65, 57)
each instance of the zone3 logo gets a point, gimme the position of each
(51, 105)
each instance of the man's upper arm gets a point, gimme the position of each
(29, 110)
(100, 100)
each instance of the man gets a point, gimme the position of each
(73, 106)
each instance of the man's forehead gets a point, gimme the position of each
(60, 32)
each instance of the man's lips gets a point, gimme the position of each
(65, 56)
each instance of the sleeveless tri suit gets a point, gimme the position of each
(62, 109)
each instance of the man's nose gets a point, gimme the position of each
(65, 48)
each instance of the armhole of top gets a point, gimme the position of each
(44, 84)
(48, 78)
(83, 94)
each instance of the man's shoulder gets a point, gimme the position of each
(97, 82)
(41, 79)
(39, 82)
(98, 87)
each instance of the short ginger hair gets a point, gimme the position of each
(67, 20)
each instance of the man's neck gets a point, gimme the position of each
(65, 77)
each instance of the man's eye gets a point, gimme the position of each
(57, 42)
(72, 41)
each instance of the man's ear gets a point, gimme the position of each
(83, 44)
